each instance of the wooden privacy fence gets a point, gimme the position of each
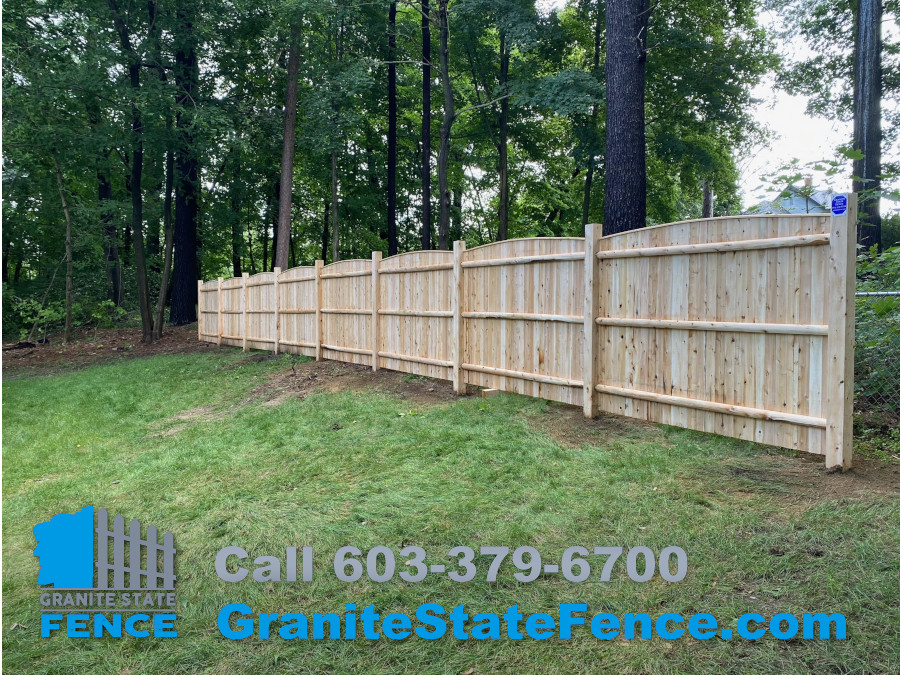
(740, 326)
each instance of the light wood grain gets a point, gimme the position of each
(740, 326)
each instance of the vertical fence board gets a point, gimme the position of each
(841, 324)
(376, 305)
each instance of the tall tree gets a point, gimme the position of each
(392, 130)
(426, 125)
(446, 126)
(187, 169)
(503, 142)
(137, 168)
(591, 159)
(285, 201)
(867, 86)
(626, 146)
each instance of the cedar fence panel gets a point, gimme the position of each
(740, 326)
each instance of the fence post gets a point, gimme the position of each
(319, 265)
(591, 339)
(221, 317)
(199, 310)
(376, 305)
(841, 314)
(244, 315)
(277, 272)
(457, 334)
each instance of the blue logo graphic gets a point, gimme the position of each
(839, 205)
(66, 549)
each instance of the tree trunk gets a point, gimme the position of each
(426, 126)
(137, 170)
(287, 152)
(503, 228)
(325, 236)
(69, 275)
(168, 245)
(335, 230)
(591, 161)
(187, 184)
(867, 88)
(392, 131)
(237, 239)
(446, 128)
(456, 216)
(626, 175)
(707, 200)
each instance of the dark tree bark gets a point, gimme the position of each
(446, 127)
(456, 215)
(707, 200)
(626, 173)
(137, 169)
(250, 250)
(426, 126)
(503, 213)
(392, 131)
(867, 89)
(287, 152)
(595, 71)
(187, 184)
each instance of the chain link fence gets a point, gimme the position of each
(877, 367)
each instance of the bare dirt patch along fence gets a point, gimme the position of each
(740, 326)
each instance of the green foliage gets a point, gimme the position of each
(28, 315)
(877, 380)
(67, 94)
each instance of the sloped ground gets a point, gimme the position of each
(227, 448)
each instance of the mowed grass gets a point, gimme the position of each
(370, 468)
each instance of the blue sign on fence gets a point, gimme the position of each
(839, 205)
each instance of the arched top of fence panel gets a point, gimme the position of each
(210, 285)
(261, 278)
(346, 268)
(297, 274)
(720, 229)
(514, 249)
(416, 259)
(233, 282)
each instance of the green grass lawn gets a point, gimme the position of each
(186, 443)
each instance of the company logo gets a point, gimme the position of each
(839, 205)
(94, 581)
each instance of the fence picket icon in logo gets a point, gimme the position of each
(155, 578)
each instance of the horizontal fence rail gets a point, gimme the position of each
(740, 326)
